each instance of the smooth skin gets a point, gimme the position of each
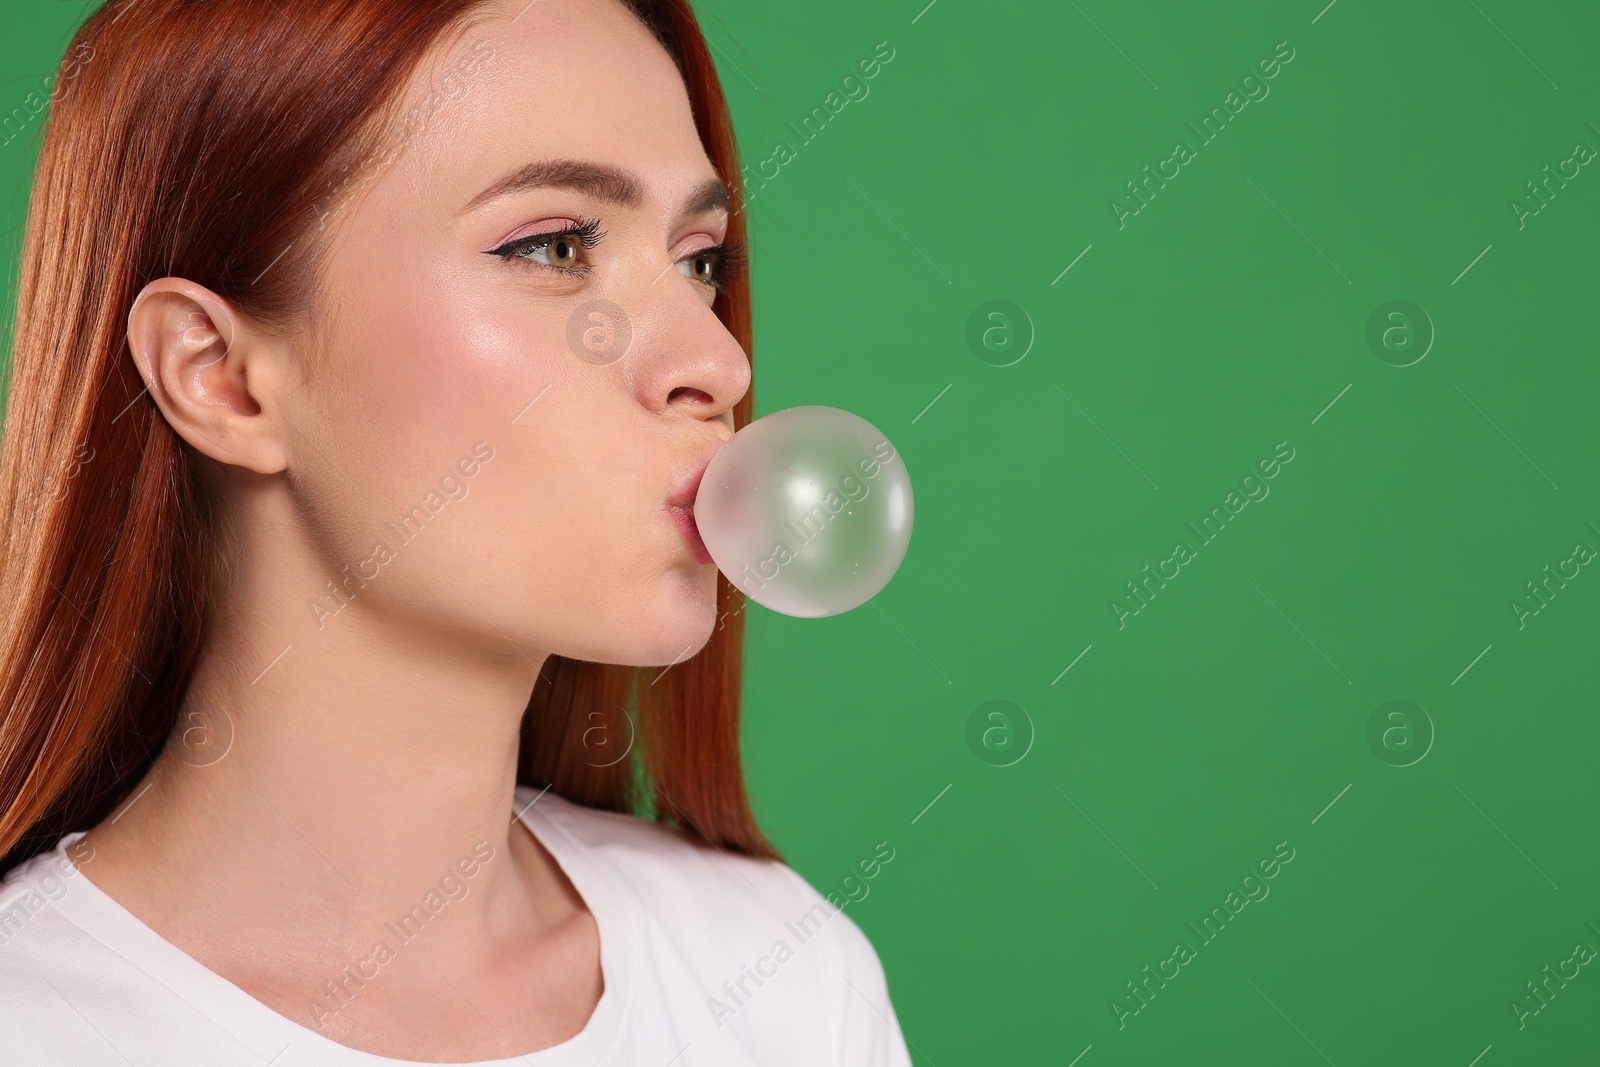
(369, 751)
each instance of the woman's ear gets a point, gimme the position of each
(211, 371)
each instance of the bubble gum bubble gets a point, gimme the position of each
(807, 511)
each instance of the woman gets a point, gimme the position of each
(366, 357)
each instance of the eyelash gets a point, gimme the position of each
(730, 255)
(730, 262)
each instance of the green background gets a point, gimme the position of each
(1150, 764)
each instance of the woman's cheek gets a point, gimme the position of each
(443, 372)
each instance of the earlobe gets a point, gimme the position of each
(203, 363)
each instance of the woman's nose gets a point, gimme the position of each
(681, 355)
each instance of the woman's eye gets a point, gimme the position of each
(714, 266)
(558, 251)
(562, 252)
(703, 266)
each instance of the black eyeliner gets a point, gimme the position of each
(730, 256)
(588, 234)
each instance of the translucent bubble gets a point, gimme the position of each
(807, 511)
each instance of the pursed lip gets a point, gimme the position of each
(682, 516)
(680, 508)
(690, 487)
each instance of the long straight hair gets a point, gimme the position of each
(202, 139)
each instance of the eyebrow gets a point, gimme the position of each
(599, 180)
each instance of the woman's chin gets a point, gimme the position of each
(683, 627)
(672, 631)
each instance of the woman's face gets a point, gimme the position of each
(507, 418)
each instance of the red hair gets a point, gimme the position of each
(204, 139)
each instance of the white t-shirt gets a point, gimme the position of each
(709, 958)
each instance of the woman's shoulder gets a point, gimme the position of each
(739, 921)
(51, 967)
(28, 893)
(672, 868)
